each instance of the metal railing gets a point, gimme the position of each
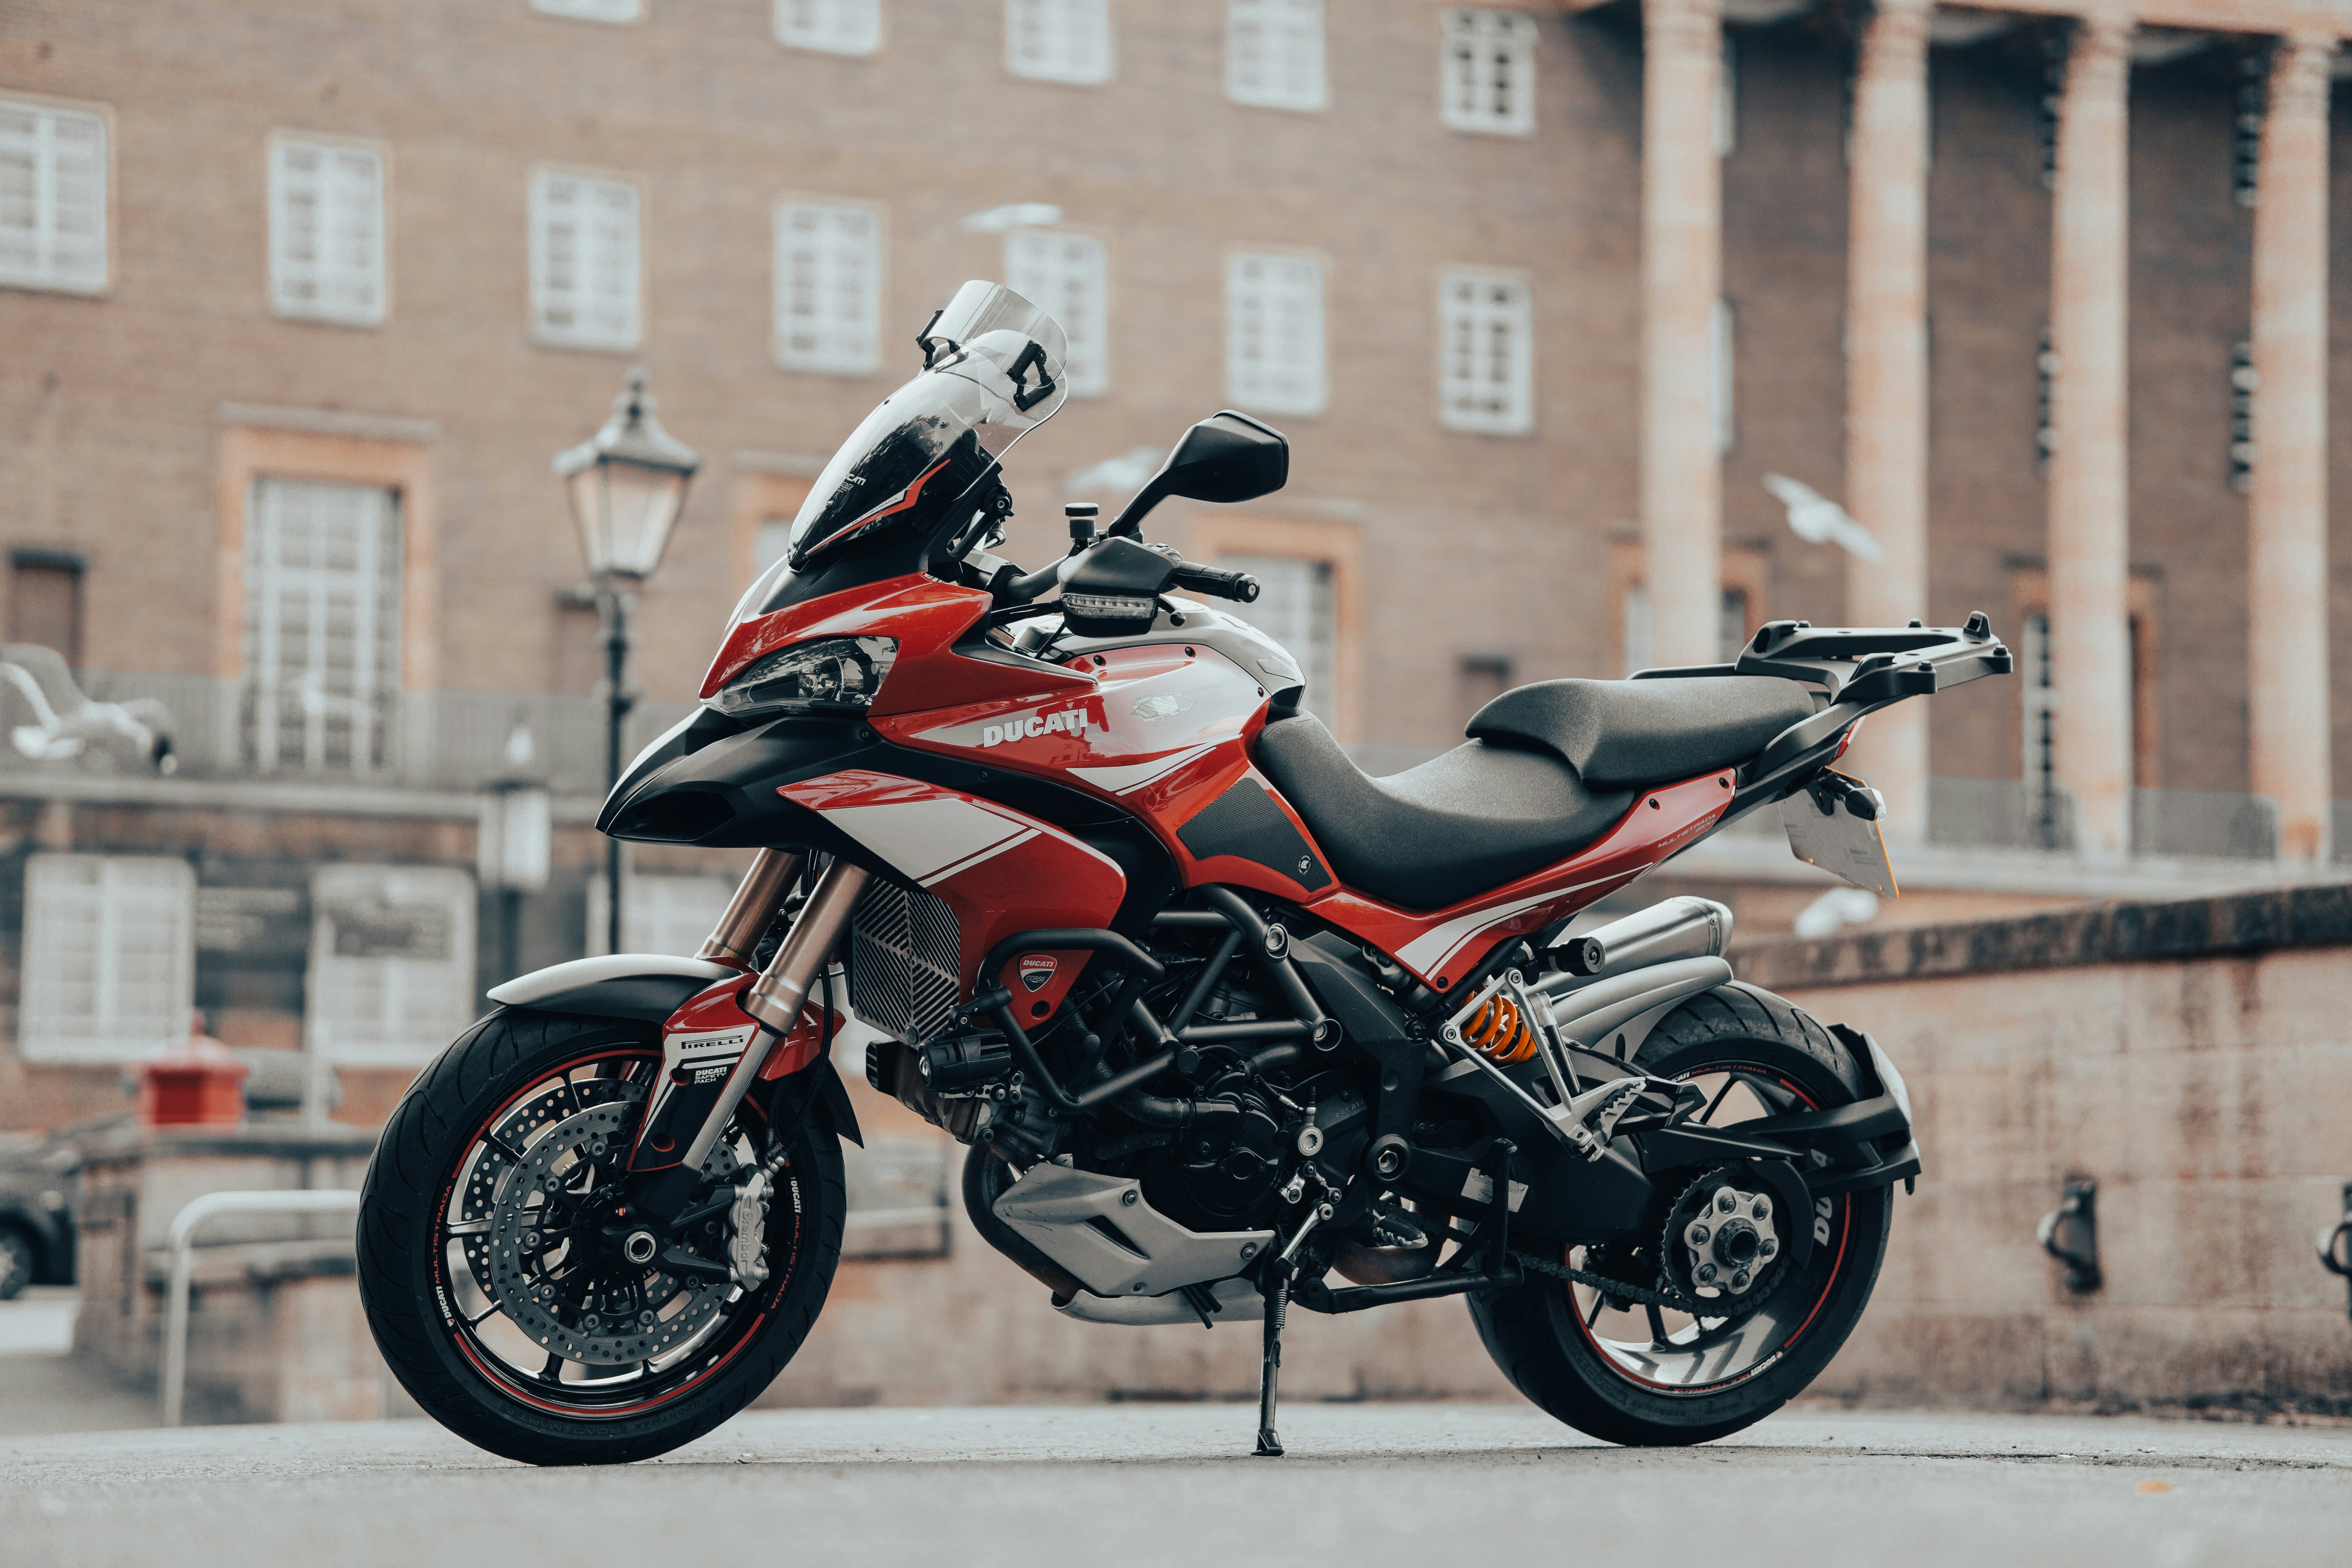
(181, 1241)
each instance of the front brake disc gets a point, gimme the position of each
(553, 1296)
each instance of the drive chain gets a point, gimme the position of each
(1639, 1294)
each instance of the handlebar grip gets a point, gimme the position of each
(1239, 586)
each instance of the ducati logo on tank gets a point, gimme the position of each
(1036, 969)
(1068, 721)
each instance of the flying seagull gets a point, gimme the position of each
(68, 723)
(1820, 521)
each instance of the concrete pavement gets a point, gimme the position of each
(1131, 1485)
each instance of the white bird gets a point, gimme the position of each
(1837, 907)
(68, 723)
(1012, 214)
(1125, 472)
(1813, 517)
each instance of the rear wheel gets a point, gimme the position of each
(516, 1299)
(1758, 1327)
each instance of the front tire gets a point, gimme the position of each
(1650, 1376)
(524, 1121)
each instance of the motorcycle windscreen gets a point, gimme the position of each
(994, 369)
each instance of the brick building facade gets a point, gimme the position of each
(296, 300)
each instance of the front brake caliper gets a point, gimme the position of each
(747, 1246)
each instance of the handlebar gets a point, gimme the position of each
(1239, 586)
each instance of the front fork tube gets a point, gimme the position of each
(773, 1005)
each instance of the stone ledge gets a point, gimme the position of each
(2111, 932)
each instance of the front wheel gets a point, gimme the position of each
(508, 1286)
(1762, 1327)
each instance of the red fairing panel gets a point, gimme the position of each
(1442, 946)
(1164, 731)
(1001, 871)
(925, 616)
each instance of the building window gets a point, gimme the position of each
(593, 10)
(322, 566)
(1723, 333)
(110, 957)
(829, 288)
(830, 26)
(1273, 334)
(1298, 606)
(584, 262)
(1067, 275)
(1490, 71)
(45, 601)
(1733, 621)
(1478, 679)
(1058, 40)
(2243, 384)
(52, 198)
(769, 544)
(392, 962)
(671, 915)
(1486, 373)
(1274, 54)
(326, 232)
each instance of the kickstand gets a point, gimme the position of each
(1277, 1307)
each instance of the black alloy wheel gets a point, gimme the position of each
(1758, 1327)
(517, 1298)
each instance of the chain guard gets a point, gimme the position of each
(513, 1272)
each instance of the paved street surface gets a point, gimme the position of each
(1128, 1485)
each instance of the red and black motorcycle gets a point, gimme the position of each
(1220, 1017)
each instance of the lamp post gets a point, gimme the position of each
(626, 484)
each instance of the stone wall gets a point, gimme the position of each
(2193, 1059)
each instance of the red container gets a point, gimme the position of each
(195, 1083)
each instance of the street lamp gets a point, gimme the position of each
(626, 484)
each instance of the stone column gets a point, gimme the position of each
(2090, 623)
(1682, 275)
(2286, 579)
(1886, 379)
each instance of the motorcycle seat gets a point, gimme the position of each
(1479, 815)
(1621, 734)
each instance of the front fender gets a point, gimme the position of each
(643, 985)
(650, 987)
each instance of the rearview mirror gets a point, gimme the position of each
(1225, 458)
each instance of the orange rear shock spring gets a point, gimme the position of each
(1499, 1031)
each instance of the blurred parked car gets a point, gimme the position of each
(38, 1182)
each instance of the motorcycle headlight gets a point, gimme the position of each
(837, 675)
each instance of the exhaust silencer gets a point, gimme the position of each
(1678, 928)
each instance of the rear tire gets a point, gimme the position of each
(422, 1290)
(1550, 1338)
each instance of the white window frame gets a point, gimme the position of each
(38, 148)
(830, 26)
(1261, 387)
(1074, 39)
(1467, 350)
(843, 348)
(62, 956)
(408, 1008)
(593, 10)
(666, 912)
(1083, 307)
(590, 296)
(357, 293)
(1278, 55)
(370, 710)
(1470, 36)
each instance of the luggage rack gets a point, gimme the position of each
(1863, 669)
